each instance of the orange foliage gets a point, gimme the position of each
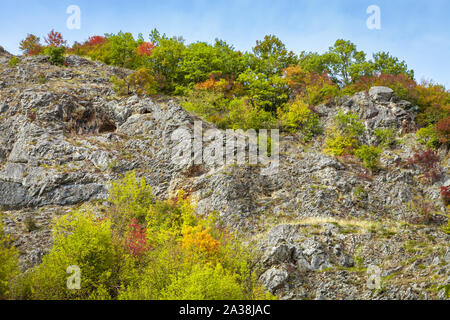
(199, 239)
(220, 83)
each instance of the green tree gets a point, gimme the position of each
(271, 56)
(345, 63)
(121, 50)
(199, 61)
(268, 93)
(384, 63)
(166, 61)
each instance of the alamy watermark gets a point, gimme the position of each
(374, 21)
(74, 20)
(74, 281)
(374, 277)
(217, 148)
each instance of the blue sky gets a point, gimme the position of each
(416, 31)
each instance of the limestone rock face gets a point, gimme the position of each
(319, 221)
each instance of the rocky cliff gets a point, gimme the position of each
(325, 227)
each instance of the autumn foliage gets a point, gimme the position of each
(55, 39)
(199, 239)
(145, 49)
(445, 193)
(136, 239)
(31, 45)
(96, 41)
(428, 162)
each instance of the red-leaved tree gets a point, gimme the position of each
(96, 40)
(55, 39)
(31, 45)
(146, 49)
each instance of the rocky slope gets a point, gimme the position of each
(324, 226)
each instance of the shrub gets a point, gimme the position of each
(403, 85)
(311, 87)
(445, 193)
(120, 86)
(386, 137)
(131, 199)
(13, 62)
(342, 138)
(300, 117)
(80, 239)
(350, 123)
(244, 115)
(9, 263)
(199, 239)
(141, 82)
(136, 240)
(339, 144)
(434, 103)
(31, 45)
(56, 55)
(369, 155)
(267, 93)
(443, 130)
(428, 137)
(205, 282)
(446, 230)
(428, 162)
(424, 208)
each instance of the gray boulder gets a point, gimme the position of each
(381, 94)
(274, 279)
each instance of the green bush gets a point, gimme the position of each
(428, 137)
(369, 155)
(342, 137)
(386, 137)
(244, 115)
(338, 144)
(83, 240)
(350, 124)
(204, 282)
(13, 62)
(131, 199)
(9, 263)
(300, 117)
(56, 55)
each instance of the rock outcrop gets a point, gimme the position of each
(320, 222)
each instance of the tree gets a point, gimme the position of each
(121, 50)
(166, 61)
(146, 49)
(384, 63)
(199, 61)
(345, 63)
(268, 93)
(96, 41)
(270, 56)
(55, 39)
(31, 45)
